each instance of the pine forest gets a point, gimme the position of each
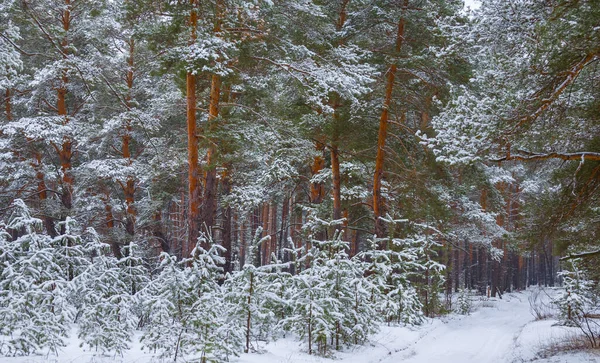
(202, 178)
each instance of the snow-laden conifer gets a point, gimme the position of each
(34, 313)
(187, 314)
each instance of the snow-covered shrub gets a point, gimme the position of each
(34, 313)
(464, 305)
(405, 278)
(186, 310)
(330, 305)
(106, 301)
(537, 306)
(579, 304)
(105, 321)
(257, 297)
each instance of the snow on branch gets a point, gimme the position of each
(569, 77)
(582, 156)
(582, 254)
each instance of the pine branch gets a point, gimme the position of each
(581, 156)
(581, 255)
(570, 77)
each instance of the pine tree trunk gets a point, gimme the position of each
(335, 171)
(317, 192)
(227, 223)
(209, 208)
(265, 246)
(378, 208)
(335, 156)
(283, 233)
(157, 232)
(273, 231)
(193, 164)
(129, 186)
(65, 152)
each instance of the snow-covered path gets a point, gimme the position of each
(487, 335)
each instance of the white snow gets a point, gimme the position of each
(498, 331)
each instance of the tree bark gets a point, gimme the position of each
(265, 246)
(335, 157)
(129, 186)
(193, 164)
(273, 231)
(210, 172)
(317, 191)
(227, 223)
(378, 208)
(65, 153)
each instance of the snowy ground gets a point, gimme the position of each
(497, 331)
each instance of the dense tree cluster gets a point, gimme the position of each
(225, 170)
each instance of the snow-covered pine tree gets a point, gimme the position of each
(165, 300)
(34, 313)
(405, 276)
(108, 311)
(329, 305)
(187, 314)
(579, 302)
(255, 297)
(388, 280)
(105, 319)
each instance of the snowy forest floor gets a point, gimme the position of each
(497, 330)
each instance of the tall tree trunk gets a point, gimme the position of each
(378, 208)
(209, 207)
(265, 246)
(242, 239)
(335, 156)
(157, 232)
(284, 231)
(335, 168)
(110, 225)
(273, 231)
(65, 152)
(193, 164)
(129, 186)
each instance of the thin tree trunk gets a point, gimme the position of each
(265, 246)
(335, 157)
(227, 222)
(317, 191)
(273, 231)
(193, 164)
(158, 233)
(8, 104)
(110, 225)
(283, 235)
(129, 186)
(378, 208)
